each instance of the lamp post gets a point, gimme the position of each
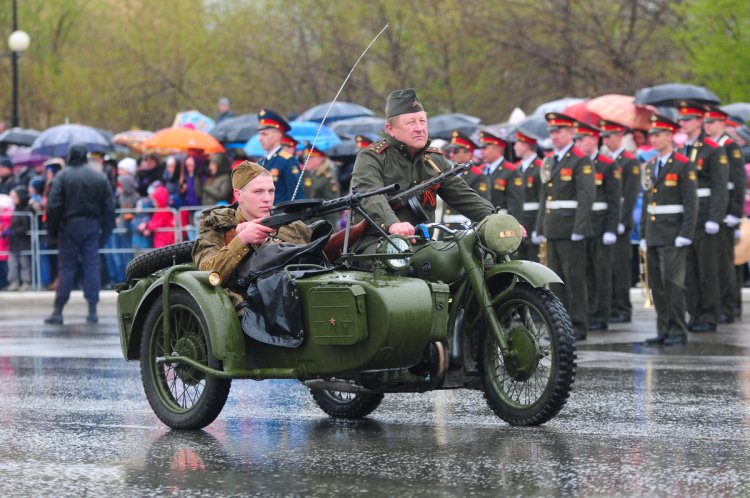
(18, 41)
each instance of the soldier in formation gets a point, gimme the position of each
(283, 166)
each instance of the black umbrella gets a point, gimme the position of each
(237, 129)
(442, 125)
(345, 148)
(535, 127)
(358, 126)
(738, 109)
(18, 136)
(669, 94)
(339, 111)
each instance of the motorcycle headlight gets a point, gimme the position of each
(502, 233)
(402, 245)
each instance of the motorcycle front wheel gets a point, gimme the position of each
(181, 396)
(345, 405)
(530, 384)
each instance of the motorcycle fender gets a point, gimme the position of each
(534, 273)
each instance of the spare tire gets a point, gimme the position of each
(147, 263)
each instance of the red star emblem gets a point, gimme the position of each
(332, 321)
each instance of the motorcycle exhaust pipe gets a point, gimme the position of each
(337, 385)
(457, 354)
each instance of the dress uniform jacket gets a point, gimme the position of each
(322, 184)
(284, 168)
(478, 181)
(630, 182)
(606, 207)
(506, 189)
(387, 161)
(531, 190)
(737, 185)
(711, 166)
(566, 196)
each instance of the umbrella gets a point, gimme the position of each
(170, 140)
(535, 126)
(582, 113)
(193, 118)
(358, 126)
(442, 125)
(26, 157)
(555, 105)
(302, 131)
(133, 139)
(237, 129)
(18, 136)
(347, 147)
(54, 142)
(739, 109)
(339, 111)
(669, 93)
(622, 109)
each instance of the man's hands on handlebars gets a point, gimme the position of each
(252, 232)
(402, 228)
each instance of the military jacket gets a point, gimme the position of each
(285, 170)
(630, 182)
(387, 161)
(478, 181)
(531, 189)
(670, 202)
(322, 184)
(606, 207)
(506, 189)
(566, 196)
(737, 185)
(712, 169)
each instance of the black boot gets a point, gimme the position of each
(56, 316)
(92, 316)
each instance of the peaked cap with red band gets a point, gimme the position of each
(486, 138)
(713, 113)
(559, 120)
(460, 139)
(607, 127)
(525, 137)
(289, 141)
(585, 130)
(313, 151)
(661, 123)
(269, 119)
(687, 109)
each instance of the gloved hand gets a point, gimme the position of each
(642, 245)
(731, 221)
(620, 229)
(575, 237)
(711, 227)
(537, 239)
(682, 241)
(609, 238)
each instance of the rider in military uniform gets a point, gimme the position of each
(629, 168)
(604, 220)
(564, 219)
(506, 185)
(528, 166)
(710, 159)
(406, 158)
(283, 166)
(668, 220)
(462, 149)
(715, 125)
(319, 179)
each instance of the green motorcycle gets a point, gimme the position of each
(439, 314)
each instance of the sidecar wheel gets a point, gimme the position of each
(338, 404)
(147, 263)
(181, 396)
(531, 385)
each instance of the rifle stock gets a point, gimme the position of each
(335, 244)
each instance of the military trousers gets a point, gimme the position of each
(729, 283)
(528, 251)
(666, 278)
(702, 278)
(79, 241)
(598, 281)
(568, 260)
(622, 254)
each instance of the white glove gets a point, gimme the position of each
(620, 229)
(537, 239)
(575, 237)
(642, 245)
(737, 234)
(711, 227)
(682, 241)
(731, 221)
(609, 238)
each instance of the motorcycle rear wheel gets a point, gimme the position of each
(181, 396)
(345, 405)
(531, 385)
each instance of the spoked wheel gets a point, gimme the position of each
(346, 405)
(181, 395)
(530, 384)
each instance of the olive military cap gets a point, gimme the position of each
(402, 102)
(245, 172)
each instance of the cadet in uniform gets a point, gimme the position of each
(463, 148)
(564, 219)
(604, 219)
(668, 222)
(703, 290)
(405, 157)
(289, 144)
(506, 186)
(715, 125)
(283, 166)
(319, 180)
(629, 168)
(363, 141)
(528, 167)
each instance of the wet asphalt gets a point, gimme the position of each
(641, 421)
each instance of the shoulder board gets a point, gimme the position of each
(711, 143)
(680, 158)
(477, 170)
(628, 155)
(434, 150)
(725, 140)
(604, 159)
(285, 154)
(510, 166)
(577, 152)
(537, 162)
(379, 146)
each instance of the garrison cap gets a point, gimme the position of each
(608, 128)
(402, 102)
(713, 113)
(687, 109)
(245, 172)
(269, 119)
(556, 120)
(486, 138)
(586, 130)
(459, 139)
(659, 123)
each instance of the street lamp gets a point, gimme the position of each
(18, 42)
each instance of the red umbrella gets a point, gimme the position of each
(622, 109)
(582, 113)
(171, 140)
